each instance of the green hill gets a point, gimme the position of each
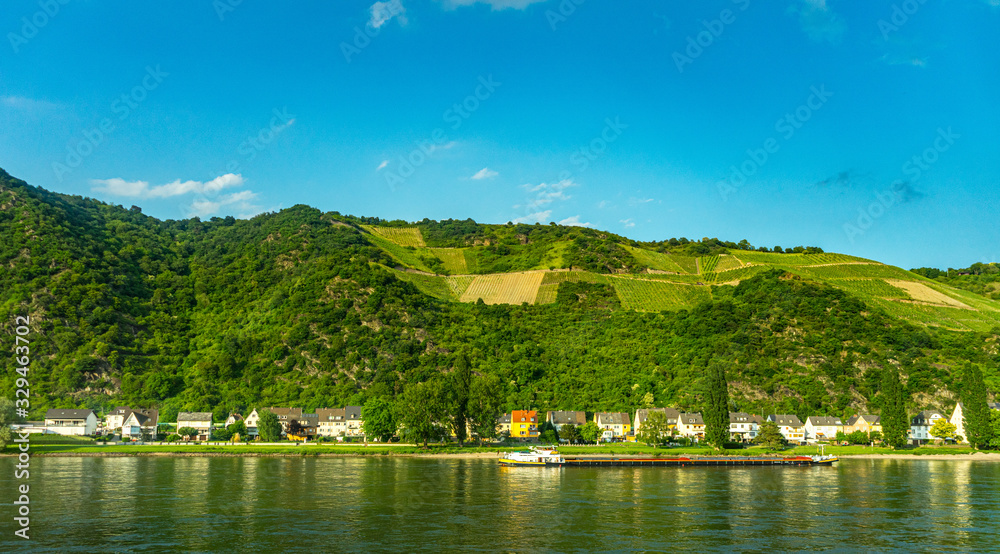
(319, 309)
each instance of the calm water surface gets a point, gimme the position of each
(357, 504)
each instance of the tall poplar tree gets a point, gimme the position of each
(717, 410)
(459, 388)
(895, 422)
(975, 410)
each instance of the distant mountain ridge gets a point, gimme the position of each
(318, 309)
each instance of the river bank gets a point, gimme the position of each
(359, 451)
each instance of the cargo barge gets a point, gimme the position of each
(540, 457)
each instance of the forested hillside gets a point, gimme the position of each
(319, 309)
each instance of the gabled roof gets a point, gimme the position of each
(68, 414)
(352, 412)
(743, 417)
(787, 420)
(925, 417)
(330, 414)
(824, 421)
(516, 416)
(145, 418)
(504, 419)
(236, 417)
(567, 417)
(194, 416)
(285, 413)
(692, 418)
(642, 413)
(612, 418)
(870, 419)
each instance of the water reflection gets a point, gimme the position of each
(301, 504)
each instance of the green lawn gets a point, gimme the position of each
(56, 444)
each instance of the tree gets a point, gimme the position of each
(268, 426)
(895, 423)
(995, 427)
(295, 428)
(237, 429)
(8, 415)
(943, 429)
(547, 433)
(421, 409)
(590, 432)
(975, 410)
(459, 387)
(570, 433)
(221, 434)
(187, 432)
(378, 419)
(769, 436)
(485, 403)
(717, 409)
(654, 430)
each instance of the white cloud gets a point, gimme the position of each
(446, 146)
(575, 222)
(892, 59)
(24, 104)
(633, 201)
(382, 165)
(484, 173)
(493, 4)
(818, 20)
(628, 223)
(537, 217)
(240, 201)
(141, 189)
(383, 12)
(207, 202)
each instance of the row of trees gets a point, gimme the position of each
(459, 402)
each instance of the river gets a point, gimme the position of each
(147, 504)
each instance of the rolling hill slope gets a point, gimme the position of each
(665, 281)
(317, 309)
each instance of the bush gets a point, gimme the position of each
(173, 437)
(732, 446)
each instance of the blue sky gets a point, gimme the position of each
(865, 128)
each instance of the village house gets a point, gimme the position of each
(560, 418)
(303, 428)
(114, 419)
(524, 424)
(790, 427)
(503, 425)
(642, 413)
(355, 425)
(743, 426)
(140, 424)
(233, 418)
(331, 422)
(866, 423)
(284, 417)
(71, 422)
(201, 422)
(958, 419)
(691, 425)
(822, 428)
(920, 426)
(614, 425)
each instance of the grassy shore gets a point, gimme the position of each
(80, 446)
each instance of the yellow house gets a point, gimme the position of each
(613, 425)
(524, 424)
